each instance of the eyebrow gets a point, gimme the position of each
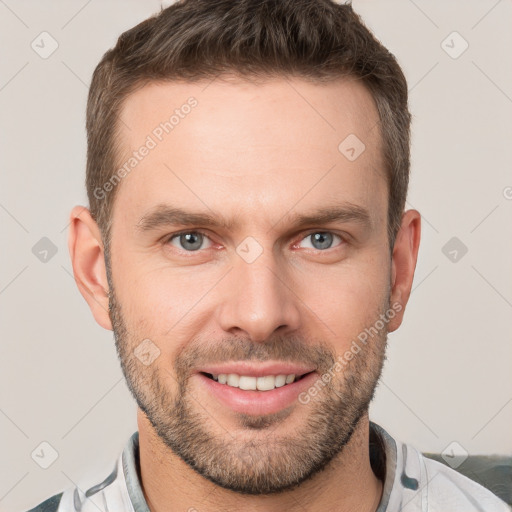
(164, 215)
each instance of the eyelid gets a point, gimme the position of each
(185, 232)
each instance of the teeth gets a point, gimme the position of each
(266, 383)
(233, 380)
(280, 381)
(246, 382)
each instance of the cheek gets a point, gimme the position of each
(347, 300)
(165, 305)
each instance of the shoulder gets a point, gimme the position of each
(86, 493)
(416, 482)
(49, 505)
(447, 487)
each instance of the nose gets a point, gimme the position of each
(258, 299)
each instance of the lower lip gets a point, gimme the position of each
(257, 403)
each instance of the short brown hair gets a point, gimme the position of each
(317, 40)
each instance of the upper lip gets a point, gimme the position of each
(252, 369)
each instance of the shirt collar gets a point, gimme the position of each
(383, 461)
(131, 469)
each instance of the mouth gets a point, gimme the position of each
(253, 383)
(255, 389)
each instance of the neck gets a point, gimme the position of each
(347, 484)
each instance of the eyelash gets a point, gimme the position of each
(169, 238)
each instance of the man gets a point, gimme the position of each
(247, 243)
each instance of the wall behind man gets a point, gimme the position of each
(447, 378)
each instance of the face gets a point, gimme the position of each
(249, 255)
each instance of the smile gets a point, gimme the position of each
(255, 389)
(251, 383)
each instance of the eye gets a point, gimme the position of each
(320, 240)
(190, 241)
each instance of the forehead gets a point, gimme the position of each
(233, 144)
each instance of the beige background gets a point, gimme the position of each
(447, 377)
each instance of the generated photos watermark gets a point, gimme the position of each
(156, 136)
(355, 347)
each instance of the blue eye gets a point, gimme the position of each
(189, 241)
(321, 240)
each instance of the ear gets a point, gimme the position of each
(88, 260)
(403, 264)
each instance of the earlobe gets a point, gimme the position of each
(88, 261)
(403, 265)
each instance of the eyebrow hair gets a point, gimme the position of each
(165, 215)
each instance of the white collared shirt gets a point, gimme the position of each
(411, 483)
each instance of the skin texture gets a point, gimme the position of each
(256, 155)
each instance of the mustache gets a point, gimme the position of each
(291, 349)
